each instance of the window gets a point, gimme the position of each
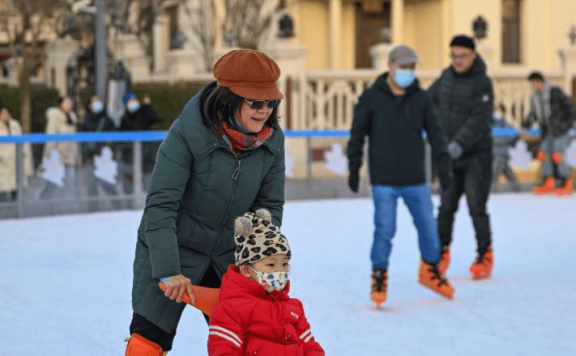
(176, 37)
(511, 31)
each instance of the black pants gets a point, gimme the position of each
(472, 177)
(153, 333)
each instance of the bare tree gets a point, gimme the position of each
(199, 28)
(24, 22)
(138, 17)
(248, 22)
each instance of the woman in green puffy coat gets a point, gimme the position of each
(223, 156)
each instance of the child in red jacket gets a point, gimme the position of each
(255, 315)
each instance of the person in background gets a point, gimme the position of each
(62, 119)
(137, 117)
(555, 115)
(97, 120)
(393, 113)
(223, 156)
(255, 288)
(8, 162)
(463, 99)
(502, 144)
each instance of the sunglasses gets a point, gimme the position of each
(258, 104)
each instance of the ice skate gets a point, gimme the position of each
(429, 276)
(444, 262)
(567, 188)
(482, 267)
(547, 187)
(379, 286)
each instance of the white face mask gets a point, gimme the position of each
(97, 106)
(133, 106)
(273, 281)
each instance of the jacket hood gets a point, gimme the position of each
(478, 67)
(235, 285)
(382, 84)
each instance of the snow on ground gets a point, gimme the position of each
(65, 283)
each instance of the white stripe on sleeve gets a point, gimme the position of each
(306, 335)
(225, 334)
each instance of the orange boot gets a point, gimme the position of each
(140, 346)
(482, 267)
(567, 188)
(430, 277)
(444, 262)
(379, 286)
(547, 187)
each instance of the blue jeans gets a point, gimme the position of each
(419, 203)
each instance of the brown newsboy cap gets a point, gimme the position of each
(248, 73)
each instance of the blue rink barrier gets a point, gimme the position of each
(150, 136)
(27, 202)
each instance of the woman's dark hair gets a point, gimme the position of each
(220, 104)
(62, 98)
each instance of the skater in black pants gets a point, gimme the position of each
(464, 99)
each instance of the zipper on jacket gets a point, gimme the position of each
(235, 175)
(237, 170)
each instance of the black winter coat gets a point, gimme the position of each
(96, 122)
(141, 120)
(562, 114)
(465, 105)
(394, 126)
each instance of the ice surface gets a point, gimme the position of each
(65, 283)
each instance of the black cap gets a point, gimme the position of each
(536, 76)
(463, 41)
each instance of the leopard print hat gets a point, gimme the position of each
(257, 237)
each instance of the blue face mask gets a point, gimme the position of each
(404, 77)
(97, 106)
(133, 106)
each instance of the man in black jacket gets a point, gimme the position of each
(464, 99)
(555, 114)
(393, 113)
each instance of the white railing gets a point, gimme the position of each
(330, 96)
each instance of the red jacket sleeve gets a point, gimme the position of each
(225, 331)
(311, 346)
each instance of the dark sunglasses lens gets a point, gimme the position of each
(256, 104)
(272, 104)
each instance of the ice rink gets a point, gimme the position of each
(65, 283)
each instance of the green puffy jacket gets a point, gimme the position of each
(197, 190)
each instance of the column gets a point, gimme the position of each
(397, 20)
(568, 56)
(335, 33)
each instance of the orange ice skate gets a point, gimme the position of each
(429, 276)
(444, 262)
(547, 187)
(567, 188)
(379, 286)
(482, 267)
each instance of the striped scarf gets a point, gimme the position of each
(241, 141)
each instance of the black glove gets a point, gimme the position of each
(354, 181)
(445, 172)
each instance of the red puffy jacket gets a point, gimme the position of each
(248, 321)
